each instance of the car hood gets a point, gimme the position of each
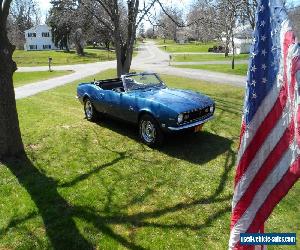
(177, 99)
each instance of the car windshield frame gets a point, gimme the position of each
(139, 85)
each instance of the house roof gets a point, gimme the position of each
(40, 26)
(243, 32)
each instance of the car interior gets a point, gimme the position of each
(111, 84)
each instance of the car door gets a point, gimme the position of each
(114, 103)
(122, 105)
(129, 109)
(97, 96)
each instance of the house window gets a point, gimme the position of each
(45, 34)
(46, 46)
(32, 47)
(31, 34)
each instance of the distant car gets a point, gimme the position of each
(144, 99)
(217, 49)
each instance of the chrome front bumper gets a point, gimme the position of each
(190, 125)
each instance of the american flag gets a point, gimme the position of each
(269, 154)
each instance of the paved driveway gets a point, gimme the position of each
(80, 71)
(210, 62)
(149, 58)
(154, 59)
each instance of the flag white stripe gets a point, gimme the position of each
(268, 102)
(270, 141)
(263, 150)
(273, 178)
(260, 157)
(265, 107)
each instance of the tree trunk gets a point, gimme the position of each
(232, 45)
(233, 52)
(78, 40)
(175, 34)
(79, 49)
(227, 43)
(120, 54)
(124, 51)
(107, 45)
(10, 137)
(124, 57)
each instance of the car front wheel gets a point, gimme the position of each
(150, 132)
(89, 110)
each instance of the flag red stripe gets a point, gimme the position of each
(243, 129)
(262, 174)
(272, 159)
(294, 68)
(261, 134)
(289, 38)
(242, 247)
(270, 120)
(278, 192)
(274, 197)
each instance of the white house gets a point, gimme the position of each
(39, 38)
(242, 45)
(242, 40)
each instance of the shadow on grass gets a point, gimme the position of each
(140, 219)
(58, 214)
(193, 147)
(52, 207)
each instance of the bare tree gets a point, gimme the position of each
(10, 137)
(228, 15)
(123, 20)
(168, 23)
(79, 41)
(203, 22)
(247, 13)
(142, 31)
(24, 14)
(294, 14)
(150, 33)
(63, 20)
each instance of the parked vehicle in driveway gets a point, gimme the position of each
(144, 99)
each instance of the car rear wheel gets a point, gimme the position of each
(150, 132)
(90, 112)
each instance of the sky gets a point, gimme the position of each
(45, 5)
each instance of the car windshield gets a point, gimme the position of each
(141, 81)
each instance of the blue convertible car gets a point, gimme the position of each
(144, 99)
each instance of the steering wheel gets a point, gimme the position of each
(118, 89)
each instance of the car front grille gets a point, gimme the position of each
(197, 114)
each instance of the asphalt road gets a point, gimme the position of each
(80, 71)
(149, 58)
(210, 62)
(153, 59)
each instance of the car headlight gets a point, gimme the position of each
(211, 109)
(180, 118)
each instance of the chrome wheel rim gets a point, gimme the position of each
(148, 131)
(88, 109)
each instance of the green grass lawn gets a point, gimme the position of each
(207, 57)
(22, 78)
(87, 185)
(239, 69)
(173, 47)
(40, 58)
(160, 41)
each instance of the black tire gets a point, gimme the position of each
(150, 132)
(90, 112)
